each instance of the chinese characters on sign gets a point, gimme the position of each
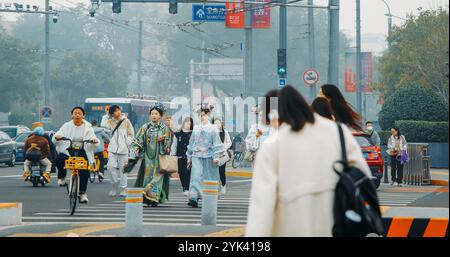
(350, 72)
(235, 18)
(261, 16)
(208, 12)
(235, 15)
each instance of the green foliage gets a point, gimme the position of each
(22, 118)
(20, 72)
(418, 54)
(423, 131)
(412, 103)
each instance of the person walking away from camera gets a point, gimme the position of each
(226, 140)
(322, 107)
(152, 140)
(53, 153)
(78, 129)
(204, 151)
(268, 125)
(37, 149)
(179, 148)
(122, 133)
(374, 137)
(397, 145)
(98, 152)
(343, 112)
(294, 182)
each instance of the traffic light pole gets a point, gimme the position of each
(283, 33)
(333, 27)
(247, 87)
(312, 46)
(47, 55)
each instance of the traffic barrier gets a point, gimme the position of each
(414, 227)
(209, 205)
(417, 169)
(10, 214)
(134, 212)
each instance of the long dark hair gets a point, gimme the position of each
(293, 109)
(222, 130)
(322, 107)
(186, 120)
(399, 134)
(343, 112)
(265, 106)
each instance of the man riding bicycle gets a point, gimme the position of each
(77, 130)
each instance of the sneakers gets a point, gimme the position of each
(113, 192)
(100, 175)
(47, 177)
(392, 183)
(399, 184)
(83, 198)
(26, 175)
(62, 182)
(193, 204)
(186, 192)
(123, 193)
(224, 190)
(396, 184)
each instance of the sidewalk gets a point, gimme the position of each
(439, 177)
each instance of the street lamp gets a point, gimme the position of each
(389, 15)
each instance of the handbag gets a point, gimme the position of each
(223, 158)
(168, 164)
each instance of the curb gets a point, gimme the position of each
(412, 227)
(439, 182)
(10, 214)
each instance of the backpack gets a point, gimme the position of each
(356, 208)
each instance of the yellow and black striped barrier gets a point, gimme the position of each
(415, 227)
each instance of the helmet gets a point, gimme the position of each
(37, 124)
(39, 131)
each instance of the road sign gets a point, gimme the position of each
(46, 114)
(311, 77)
(208, 12)
(282, 82)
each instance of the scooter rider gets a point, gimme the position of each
(37, 149)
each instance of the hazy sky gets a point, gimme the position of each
(373, 23)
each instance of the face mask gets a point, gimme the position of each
(370, 128)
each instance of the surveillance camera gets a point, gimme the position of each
(55, 18)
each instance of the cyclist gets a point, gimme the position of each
(98, 152)
(37, 149)
(77, 129)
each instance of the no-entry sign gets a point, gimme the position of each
(311, 77)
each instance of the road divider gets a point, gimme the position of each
(134, 212)
(10, 214)
(413, 227)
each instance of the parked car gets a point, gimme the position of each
(14, 131)
(20, 140)
(8, 150)
(372, 154)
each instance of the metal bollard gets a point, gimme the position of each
(210, 199)
(386, 172)
(133, 212)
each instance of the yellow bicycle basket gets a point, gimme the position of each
(76, 163)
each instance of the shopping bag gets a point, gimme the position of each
(168, 164)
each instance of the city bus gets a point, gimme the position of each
(137, 110)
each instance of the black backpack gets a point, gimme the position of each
(356, 209)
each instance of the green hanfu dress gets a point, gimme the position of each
(147, 141)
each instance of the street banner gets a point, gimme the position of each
(350, 72)
(235, 17)
(261, 16)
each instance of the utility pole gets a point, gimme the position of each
(283, 33)
(203, 70)
(312, 45)
(139, 64)
(333, 28)
(47, 55)
(358, 57)
(248, 60)
(389, 15)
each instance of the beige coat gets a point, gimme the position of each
(293, 183)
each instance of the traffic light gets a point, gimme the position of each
(117, 6)
(282, 63)
(173, 6)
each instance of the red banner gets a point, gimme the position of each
(261, 16)
(235, 17)
(350, 72)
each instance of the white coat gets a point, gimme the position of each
(67, 131)
(293, 184)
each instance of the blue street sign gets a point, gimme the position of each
(282, 83)
(208, 12)
(46, 112)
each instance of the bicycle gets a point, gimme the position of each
(238, 151)
(75, 163)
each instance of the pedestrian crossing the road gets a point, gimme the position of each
(232, 211)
